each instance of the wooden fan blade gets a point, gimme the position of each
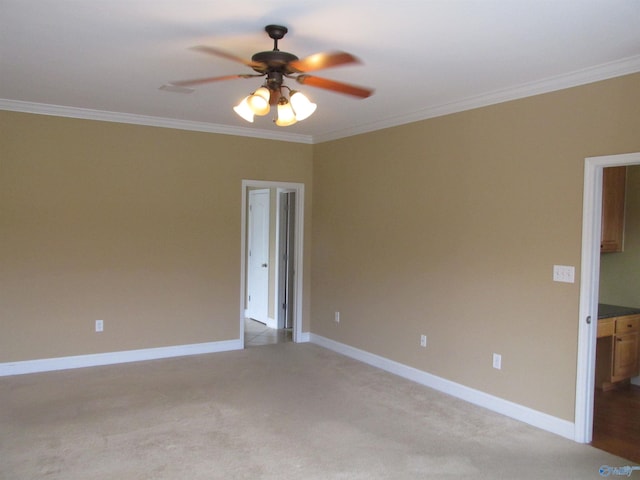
(319, 61)
(200, 81)
(332, 85)
(229, 56)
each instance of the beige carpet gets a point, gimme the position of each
(275, 412)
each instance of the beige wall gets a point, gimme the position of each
(447, 227)
(138, 226)
(620, 272)
(450, 227)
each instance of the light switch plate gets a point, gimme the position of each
(564, 273)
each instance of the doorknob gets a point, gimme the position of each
(264, 265)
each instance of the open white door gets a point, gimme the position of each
(258, 256)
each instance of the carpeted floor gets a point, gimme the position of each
(288, 411)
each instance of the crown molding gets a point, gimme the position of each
(576, 78)
(118, 117)
(585, 76)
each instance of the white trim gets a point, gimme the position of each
(304, 337)
(589, 287)
(298, 188)
(112, 358)
(524, 414)
(276, 265)
(618, 68)
(130, 118)
(606, 71)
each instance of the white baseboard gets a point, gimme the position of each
(304, 337)
(93, 360)
(524, 414)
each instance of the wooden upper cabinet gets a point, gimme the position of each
(613, 193)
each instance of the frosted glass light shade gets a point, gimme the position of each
(301, 105)
(286, 116)
(244, 110)
(259, 101)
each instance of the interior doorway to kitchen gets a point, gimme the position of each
(589, 288)
(616, 406)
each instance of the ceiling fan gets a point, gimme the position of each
(276, 65)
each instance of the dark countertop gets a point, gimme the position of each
(608, 311)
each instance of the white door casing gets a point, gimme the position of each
(589, 288)
(285, 261)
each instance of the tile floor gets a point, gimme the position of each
(256, 333)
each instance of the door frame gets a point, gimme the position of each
(589, 287)
(298, 188)
(280, 286)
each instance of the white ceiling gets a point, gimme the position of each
(107, 59)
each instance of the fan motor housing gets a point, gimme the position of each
(275, 60)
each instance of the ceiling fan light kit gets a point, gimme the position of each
(295, 109)
(277, 66)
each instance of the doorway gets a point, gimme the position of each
(285, 267)
(589, 288)
(286, 240)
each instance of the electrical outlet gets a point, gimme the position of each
(564, 273)
(99, 325)
(336, 318)
(423, 340)
(497, 361)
